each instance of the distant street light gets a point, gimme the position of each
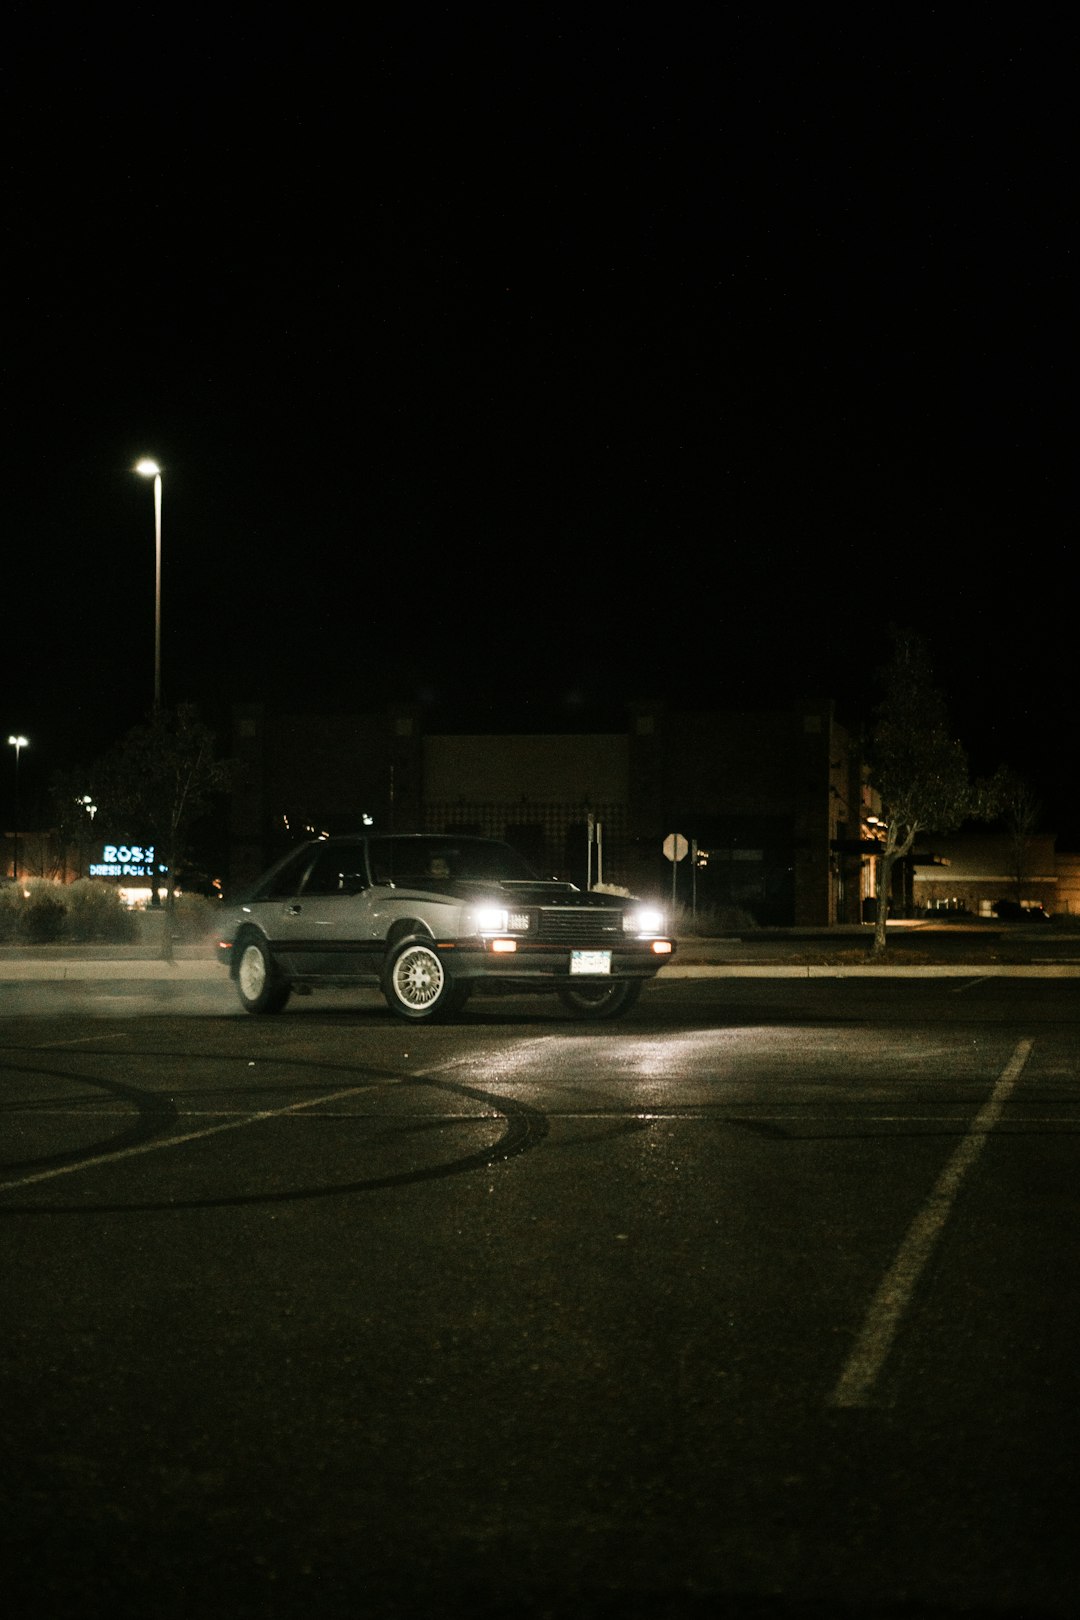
(150, 469)
(18, 743)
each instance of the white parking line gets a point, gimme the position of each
(856, 1383)
(158, 1144)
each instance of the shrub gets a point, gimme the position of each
(194, 917)
(39, 911)
(42, 914)
(95, 911)
(10, 903)
(709, 921)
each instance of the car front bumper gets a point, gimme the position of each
(502, 959)
(529, 960)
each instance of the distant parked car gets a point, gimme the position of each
(427, 918)
(1013, 911)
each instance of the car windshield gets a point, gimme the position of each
(421, 860)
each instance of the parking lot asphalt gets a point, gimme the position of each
(913, 951)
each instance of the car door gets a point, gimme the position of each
(324, 930)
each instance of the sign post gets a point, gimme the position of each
(675, 848)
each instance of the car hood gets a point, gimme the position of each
(518, 893)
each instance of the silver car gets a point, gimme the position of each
(430, 917)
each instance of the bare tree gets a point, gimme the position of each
(917, 766)
(1020, 814)
(163, 775)
(73, 811)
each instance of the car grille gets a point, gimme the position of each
(565, 925)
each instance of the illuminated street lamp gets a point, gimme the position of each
(150, 469)
(18, 743)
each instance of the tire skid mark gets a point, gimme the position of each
(154, 1113)
(525, 1128)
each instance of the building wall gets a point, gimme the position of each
(1067, 892)
(976, 869)
(507, 769)
(300, 775)
(764, 796)
(560, 799)
(771, 790)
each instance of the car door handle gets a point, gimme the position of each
(294, 911)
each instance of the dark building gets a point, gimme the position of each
(770, 803)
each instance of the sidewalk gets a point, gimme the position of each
(915, 949)
(912, 952)
(55, 964)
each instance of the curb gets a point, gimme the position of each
(878, 970)
(63, 971)
(70, 969)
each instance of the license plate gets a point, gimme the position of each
(590, 961)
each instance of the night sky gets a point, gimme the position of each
(517, 362)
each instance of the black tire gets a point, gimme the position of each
(597, 999)
(460, 992)
(258, 981)
(417, 985)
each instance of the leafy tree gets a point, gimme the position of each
(918, 767)
(161, 777)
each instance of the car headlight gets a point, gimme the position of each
(643, 920)
(497, 920)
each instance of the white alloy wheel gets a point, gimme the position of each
(417, 984)
(251, 975)
(261, 989)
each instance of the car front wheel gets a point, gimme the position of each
(600, 1000)
(417, 986)
(261, 987)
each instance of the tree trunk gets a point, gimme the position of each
(896, 847)
(884, 885)
(169, 908)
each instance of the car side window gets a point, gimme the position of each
(337, 869)
(286, 880)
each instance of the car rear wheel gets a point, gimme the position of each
(600, 1000)
(417, 986)
(261, 987)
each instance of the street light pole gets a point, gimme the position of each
(18, 743)
(86, 803)
(150, 469)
